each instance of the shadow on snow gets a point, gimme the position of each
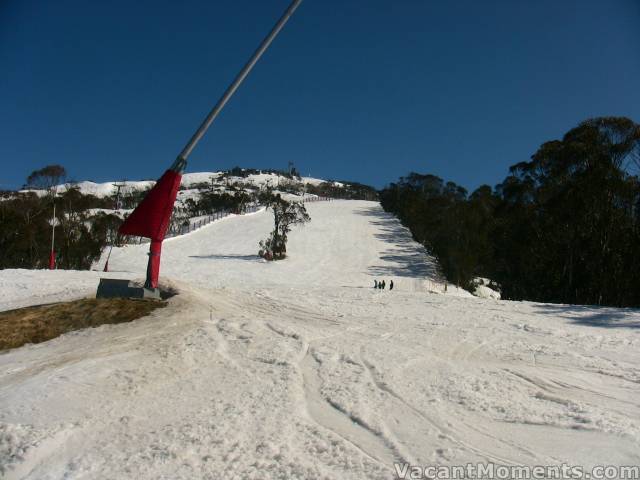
(247, 258)
(410, 259)
(594, 316)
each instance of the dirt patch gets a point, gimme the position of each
(44, 322)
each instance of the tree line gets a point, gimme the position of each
(84, 229)
(563, 227)
(26, 230)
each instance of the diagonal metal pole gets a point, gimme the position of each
(172, 177)
(186, 151)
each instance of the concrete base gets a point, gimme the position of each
(116, 288)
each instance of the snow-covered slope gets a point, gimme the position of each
(191, 181)
(345, 244)
(300, 369)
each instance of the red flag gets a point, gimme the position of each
(151, 218)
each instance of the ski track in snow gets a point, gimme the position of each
(300, 369)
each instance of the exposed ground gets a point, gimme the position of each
(43, 322)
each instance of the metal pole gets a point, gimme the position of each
(186, 151)
(52, 253)
(53, 227)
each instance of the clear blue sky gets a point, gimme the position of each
(366, 90)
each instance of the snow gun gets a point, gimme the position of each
(151, 217)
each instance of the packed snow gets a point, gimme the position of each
(300, 369)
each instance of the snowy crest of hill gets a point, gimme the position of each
(236, 180)
(199, 180)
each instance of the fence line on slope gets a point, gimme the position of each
(316, 199)
(191, 226)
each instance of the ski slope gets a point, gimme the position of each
(345, 244)
(300, 369)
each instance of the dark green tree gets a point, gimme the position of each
(285, 216)
(562, 227)
(47, 177)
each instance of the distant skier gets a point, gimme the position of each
(383, 284)
(375, 284)
(391, 285)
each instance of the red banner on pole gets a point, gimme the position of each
(151, 218)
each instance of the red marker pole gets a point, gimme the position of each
(106, 265)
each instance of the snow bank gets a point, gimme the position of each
(483, 290)
(22, 288)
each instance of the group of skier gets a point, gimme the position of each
(381, 285)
